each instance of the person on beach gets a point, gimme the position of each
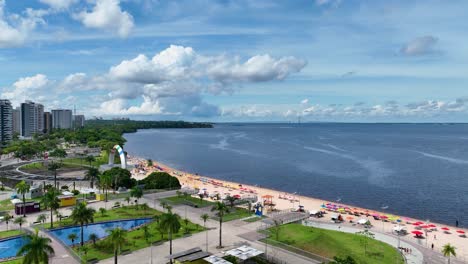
(432, 246)
(456, 223)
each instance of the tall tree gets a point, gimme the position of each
(92, 174)
(90, 159)
(51, 201)
(137, 193)
(449, 250)
(7, 217)
(23, 188)
(37, 250)
(205, 218)
(41, 218)
(82, 215)
(54, 166)
(170, 223)
(117, 238)
(221, 210)
(105, 181)
(20, 221)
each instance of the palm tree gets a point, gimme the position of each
(102, 211)
(146, 233)
(221, 210)
(449, 250)
(72, 237)
(205, 217)
(90, 159)
(93, 237)
(82, 215)
(7, 217)
(170, 223)
(37, 250)
(54, 166)
(22, 188)
(41, 218)
(91, 175)
(145, 207)
(137, 193)
(20, 221)
(51, 201)
(105, 181)
(117, 238)
(231, 200)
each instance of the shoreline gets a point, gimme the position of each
(437, 237)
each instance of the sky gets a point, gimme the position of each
(242, 60)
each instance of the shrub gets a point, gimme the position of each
(160, 180)
(75, 192)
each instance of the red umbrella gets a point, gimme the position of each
(418, 233)
(383, 216)
(431, 225)
(416, 224)
(445, 228)
(424, 226)
(461, 231)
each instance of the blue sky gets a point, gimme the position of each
(323, 60)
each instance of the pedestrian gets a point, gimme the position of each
(432, 246)
(456, 223)
(435, 237)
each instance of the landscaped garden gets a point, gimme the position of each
(10, 233)
(234, 213)
(329, 243)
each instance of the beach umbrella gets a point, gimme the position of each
(416, 232)
(431, 225)
(418, 223)
(424, 226)
(349, 217)
(445, 228)
(384, 217)
(460, 231)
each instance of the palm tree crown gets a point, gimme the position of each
(221, 209)
(37, 250)
(82, 215)
(449, 250)
(23, 188)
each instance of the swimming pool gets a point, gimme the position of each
(9, 247)
(100, 229)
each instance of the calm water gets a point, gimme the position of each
(418, 170)
(9, 248)
(99, 229)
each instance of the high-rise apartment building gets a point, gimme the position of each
(47, 122)
(17, 120)
(6, 122)
(79, 121)
(62, 119)
(32, 120)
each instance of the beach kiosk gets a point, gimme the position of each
(67, 200)
(29, 207)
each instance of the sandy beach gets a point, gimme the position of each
(286, 201)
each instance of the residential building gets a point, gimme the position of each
(31, 115)
(17, 120)
(47, 122)
(6, 122)
(62, 119)
(79, 121)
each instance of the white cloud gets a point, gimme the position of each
(26, 88)
(184, 63)
(107, 15)
(14, 29)
(419, 46)
(59, 4)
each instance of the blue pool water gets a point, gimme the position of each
(9, 248)
(100, 229)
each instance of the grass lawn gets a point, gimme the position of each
(6, 205)
(253, 219)
(188, 200)
(10, 233)
(136, 240)
(40, 166)
(14, 261)
(234, 213)
(126, 212)
(329, 243)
